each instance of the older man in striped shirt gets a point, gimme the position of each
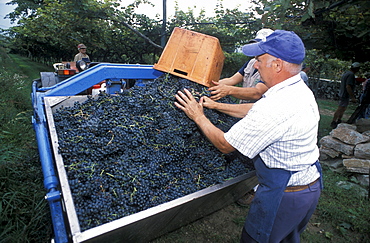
(280, 133)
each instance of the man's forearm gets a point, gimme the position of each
(233, 80)
(235, 110)
(213, 134)
(245, 93)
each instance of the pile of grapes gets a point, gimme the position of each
(128, 152)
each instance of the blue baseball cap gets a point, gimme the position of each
(282, 44)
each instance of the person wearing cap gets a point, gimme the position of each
(346, 92)
(304, 73)
(279, 132)
(81, 55)
(252, 86)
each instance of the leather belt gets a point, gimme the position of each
(299, 188)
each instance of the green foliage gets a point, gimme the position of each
(324, 66)
(233, 62)
(53, 30)
(24, 8)
(30, 70)
(13, 109)
(338, 28)
(49, 31)
(232, 27)
(53, 33)
(24, 215)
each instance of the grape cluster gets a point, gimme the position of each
(128, 152)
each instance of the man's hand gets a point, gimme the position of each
(187, 103)
(208, 102)
(194, 110)
(219, 90)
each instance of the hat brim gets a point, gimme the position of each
(252, 50)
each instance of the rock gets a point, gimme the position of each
(323, 156)
(357, 189)
(362, 151)
(333, 163)
(347, 134)
(363, 125)
(347, 149)
(363, 180)
(328, 153)
(337, 145)
(357, 165)
(346, 126)
(367, 133)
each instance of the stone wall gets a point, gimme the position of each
(348, 148)
(327, 89)
(351, 143)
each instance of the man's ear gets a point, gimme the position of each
(278, 65)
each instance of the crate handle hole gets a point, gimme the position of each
(180, 72)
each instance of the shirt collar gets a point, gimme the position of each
(287, 82)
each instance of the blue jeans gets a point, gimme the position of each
(294, 213)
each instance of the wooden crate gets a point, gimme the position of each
(191, 55)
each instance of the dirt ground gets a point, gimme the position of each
(225, 226)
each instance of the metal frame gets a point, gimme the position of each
(157, 220)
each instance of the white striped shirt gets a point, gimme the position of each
(282, 128)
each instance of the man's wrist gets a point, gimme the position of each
(199, 119)
(216, 105)
(232, 90)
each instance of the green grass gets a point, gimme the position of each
(327, 109)
(24, 214)
(324, 126)
(344, 209)
(28, 68)
(341, 215)
(325, 117)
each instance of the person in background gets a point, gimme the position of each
(279, 132)
(304, 73)
(365, 98)
(252, 87)
(81, 55)
(346, 92)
